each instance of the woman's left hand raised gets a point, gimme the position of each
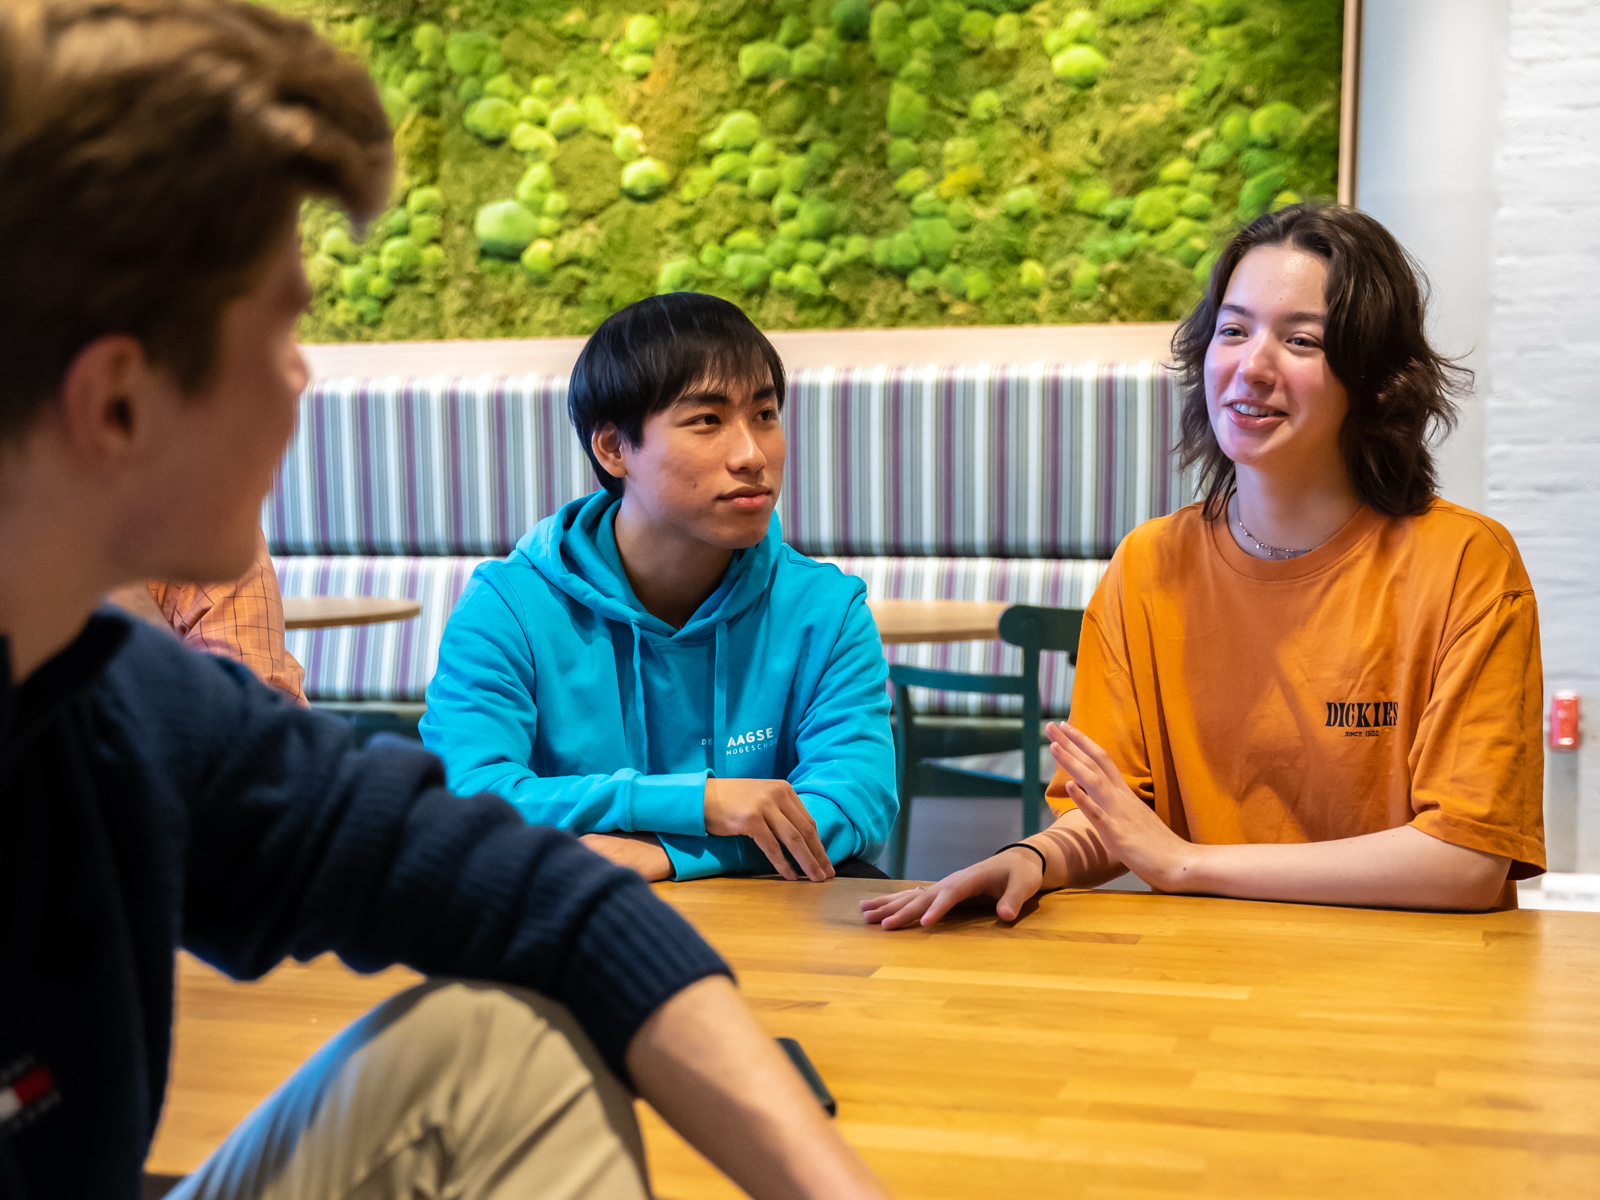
(1127, 826)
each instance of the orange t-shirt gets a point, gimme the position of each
(1389, 677)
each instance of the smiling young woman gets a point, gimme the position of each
(1321, 682)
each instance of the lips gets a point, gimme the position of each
(747, 498)
(1250, 417)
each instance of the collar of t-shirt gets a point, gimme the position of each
(1362, 525)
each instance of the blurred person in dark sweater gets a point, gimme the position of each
(155, 155)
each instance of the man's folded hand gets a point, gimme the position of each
(770, 812)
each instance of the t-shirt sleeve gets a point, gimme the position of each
(1104, 705)
(1477, 765)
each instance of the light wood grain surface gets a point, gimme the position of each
(1115, 1046)
(323, 612)
(903, 621)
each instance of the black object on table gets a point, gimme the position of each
(809, 1073)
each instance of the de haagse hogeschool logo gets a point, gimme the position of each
(744, 743)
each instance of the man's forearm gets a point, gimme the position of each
(703, 1063)
(1395, 868)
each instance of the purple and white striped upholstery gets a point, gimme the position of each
(986, 482)
(425, 466)
(392, 662)
(1015, 461)
(1018, 461)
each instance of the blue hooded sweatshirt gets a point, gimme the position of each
(558, 691)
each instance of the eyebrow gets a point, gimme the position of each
(1321, 318)
(714, 397)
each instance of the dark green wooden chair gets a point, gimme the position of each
(924, 763)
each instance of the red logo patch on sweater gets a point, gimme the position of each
(27, 1090)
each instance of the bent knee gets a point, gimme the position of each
(444, 1020)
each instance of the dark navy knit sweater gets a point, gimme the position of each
(151, 798)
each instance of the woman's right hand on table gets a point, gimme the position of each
(1012, 877)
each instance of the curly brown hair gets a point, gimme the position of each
(152, 152)
(1402, 391)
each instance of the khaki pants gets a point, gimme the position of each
(450, 1090)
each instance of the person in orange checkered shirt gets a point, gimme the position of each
(242, 620)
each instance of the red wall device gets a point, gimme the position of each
(1564, 721)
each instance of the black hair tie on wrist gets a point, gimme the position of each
(1044, 865)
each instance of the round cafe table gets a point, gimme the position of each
(325, 612)
(901, 622)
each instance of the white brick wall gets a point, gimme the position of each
(1542, 420)
(1429, 115)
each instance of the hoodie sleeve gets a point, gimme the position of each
(845, 775)
(482, 721)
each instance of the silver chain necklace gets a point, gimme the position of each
(1269, 551)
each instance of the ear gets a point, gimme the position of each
(606, 442)
(107, 400)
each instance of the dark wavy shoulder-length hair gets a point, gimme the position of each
(1402, 391)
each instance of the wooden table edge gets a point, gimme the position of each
(402, 609)
(979, 621)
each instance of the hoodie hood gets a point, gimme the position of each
(575, 549)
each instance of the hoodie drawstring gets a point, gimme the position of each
(719, 704)
(640, 728)
(643, 755)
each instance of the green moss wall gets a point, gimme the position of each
(822, 163)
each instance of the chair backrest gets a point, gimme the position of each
(903, 676)
(1035, 628)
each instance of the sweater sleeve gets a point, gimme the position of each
(301, 844)
(483, 721)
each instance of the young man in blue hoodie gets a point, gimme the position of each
(155, 155)
(652, 667)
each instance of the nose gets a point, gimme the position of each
(744, 451)
(1258, 364)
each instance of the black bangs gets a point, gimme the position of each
(643, 358)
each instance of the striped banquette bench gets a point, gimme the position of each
(1011, 482)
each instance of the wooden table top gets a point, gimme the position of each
(323, 612)
(1113, 1045)
(903, 621)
